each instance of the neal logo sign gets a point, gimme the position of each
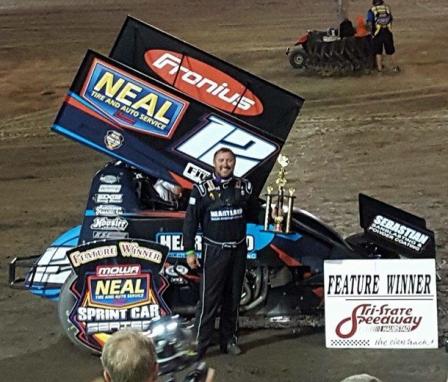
(131, 102)
(203, 82)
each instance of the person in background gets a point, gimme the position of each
(361, 27)
(346, 29)
(379, 19)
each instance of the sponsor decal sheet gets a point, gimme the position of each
(381, 304)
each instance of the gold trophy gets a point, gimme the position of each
(280, 197)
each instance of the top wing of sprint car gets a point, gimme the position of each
(206, 78)
(164, 107)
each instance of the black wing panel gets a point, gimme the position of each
(207, 78)
(156, 128)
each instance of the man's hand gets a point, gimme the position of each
(192, 260)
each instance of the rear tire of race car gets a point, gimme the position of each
(67, 302)
(298, 58)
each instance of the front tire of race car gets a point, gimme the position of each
(67, 302)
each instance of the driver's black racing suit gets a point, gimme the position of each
(221, 208)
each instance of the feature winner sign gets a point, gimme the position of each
(380, 304)
(117, 286)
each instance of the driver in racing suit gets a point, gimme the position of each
(220, 205)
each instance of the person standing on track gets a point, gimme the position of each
(380, 18)
(220, 205)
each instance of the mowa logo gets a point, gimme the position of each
(203, 82)
(250, 150)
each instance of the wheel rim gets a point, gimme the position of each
(298, 59)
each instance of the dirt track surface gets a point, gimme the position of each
(384, 135)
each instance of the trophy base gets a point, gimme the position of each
(278, 229)
(272, 230)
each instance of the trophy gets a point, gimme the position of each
(281, 201)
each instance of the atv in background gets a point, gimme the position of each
(327, 54)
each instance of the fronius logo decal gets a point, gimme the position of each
(203, 82)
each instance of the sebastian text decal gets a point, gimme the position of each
(203, 82)
(398, 232)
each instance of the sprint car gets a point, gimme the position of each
(160, 108)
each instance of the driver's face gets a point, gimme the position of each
(224, 163)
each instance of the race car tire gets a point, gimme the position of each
(298, 58)
(67, 302)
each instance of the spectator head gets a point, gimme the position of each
(129, 356)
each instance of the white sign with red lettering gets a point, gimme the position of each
(381, 304)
